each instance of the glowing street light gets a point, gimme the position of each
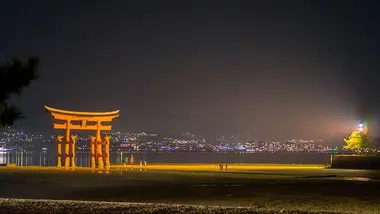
(361, 126)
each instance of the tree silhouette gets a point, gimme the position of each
(15, 75)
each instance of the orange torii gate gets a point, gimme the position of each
(95, 120)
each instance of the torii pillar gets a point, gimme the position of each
(59, 150)
(107, 152)
(73, 140)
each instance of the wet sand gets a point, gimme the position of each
(269, 188)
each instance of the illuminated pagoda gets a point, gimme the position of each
(357, 138)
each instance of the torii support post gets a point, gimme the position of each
(83, 118)
(67, 145)
(92, 152)
(73, 140)
(107, 152)
(99, 153)
(59, 150)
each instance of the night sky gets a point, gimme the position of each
(277, 69)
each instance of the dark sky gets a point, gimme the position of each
(277, 69)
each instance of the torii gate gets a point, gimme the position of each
(96, 118)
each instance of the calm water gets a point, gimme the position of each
(46, 158)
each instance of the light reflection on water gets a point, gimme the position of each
(43, 158)
(49, 158)
(357, 179)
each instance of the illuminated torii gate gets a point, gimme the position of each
(96, 118)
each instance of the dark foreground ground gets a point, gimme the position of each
(245, 191)
(55, 206)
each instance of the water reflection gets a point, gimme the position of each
(49, 158)
(44, 158)
(357, 178)
(125, 170)
(23, 158)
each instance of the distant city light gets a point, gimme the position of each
(187, 142)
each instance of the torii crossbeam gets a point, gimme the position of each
(85, 121)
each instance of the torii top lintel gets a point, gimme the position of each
(60, 114)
